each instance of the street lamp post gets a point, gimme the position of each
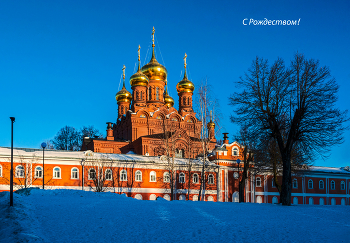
(11, 171)
(43, 145)
(239, 184)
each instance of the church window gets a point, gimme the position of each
(152, 176)
(157, 93)
(258, 182)
(38, 172)
(166, 177)
(235, 151)
(188, 100)
(342, 185)
(195, 178)
(74, 173)
(137, 95)
(123, 175)
(174, 119)
(211, 179)
(141, 95)
(126, 109)
(138, 176)
(184, 100)
(321, 184)
(310, 184)
(92, 174)
(142, 116)
(332, 185)
(57, 173)
(149, 93)
(189, 121)
(108, 175)
(182, 177)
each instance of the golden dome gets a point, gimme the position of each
(139, 79)
(153, 70)
(123, 95)
(211, 124)
(185, 85)
(168, 100)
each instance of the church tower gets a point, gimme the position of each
(123, 98)
(211, 129)
(185, 90)
(156, 74)
(139, 83)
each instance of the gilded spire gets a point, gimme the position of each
(153, 55)
(139, 59)
(211, 116)
(123, 76)
(185, 64)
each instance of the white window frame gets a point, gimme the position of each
(319, 184)
(332, 185)
(296, 183)
(166, 177)
(312, 184)
(273, 182)
(89, 174)
(18, 174)
(211, 179)
(73, 172)
(123, 175)
(0, 170)
(258, 182)
(235, 149)
(182, 177)
(342, 185)
(152, 176)
(195, 175)
(55, 176)
(138, 174)
(37, 170)
(108, 172)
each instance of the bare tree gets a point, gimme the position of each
(294, 107)
(67, 139)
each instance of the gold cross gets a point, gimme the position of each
(185, 60)
(123, 71)
(153, 34)
(139, 51)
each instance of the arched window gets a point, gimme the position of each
(157, 93)
(149, 93)
(92, 174)
(179, 153)
(333, 202)
(137, 95)
(123, 175)
(19, 171)
(342, 185)
(0, 171)
(258, 182)
(211, 179)
(74, 173)
(342, 202)
(126, 109)
(295, 201)
(141, 95)
(321, 201)
(57, 172)
(210, 199)
(152, 197)
(166, 197)
(38, 172)
(152, 177)
(310, 184)
(311, 201)
(166, 177)
(332, 185)
(195, 198)
(274, 200)
(235, 151)
(138, 176)
(182, 197)
(295, 184)
(273, 182)
(258, 199)
(235, 197)
(321, 184)
(138, 197)
(188, 101)
(195, 178)
(182, 178)
(108, 174)
(184, 100)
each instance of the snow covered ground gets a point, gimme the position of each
(77, 216)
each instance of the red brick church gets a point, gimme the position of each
(147, 122)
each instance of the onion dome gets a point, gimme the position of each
(210, 124)
(153, 70)
(123, 95)
(168, 100)
(139, 79)
(185, 85)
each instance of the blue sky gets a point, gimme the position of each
(61, 61)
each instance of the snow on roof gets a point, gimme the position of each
(329, 169)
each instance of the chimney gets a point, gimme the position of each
(225, 138)
(109, 131)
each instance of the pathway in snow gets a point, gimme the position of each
(76, 216)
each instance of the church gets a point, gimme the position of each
(148, 123)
